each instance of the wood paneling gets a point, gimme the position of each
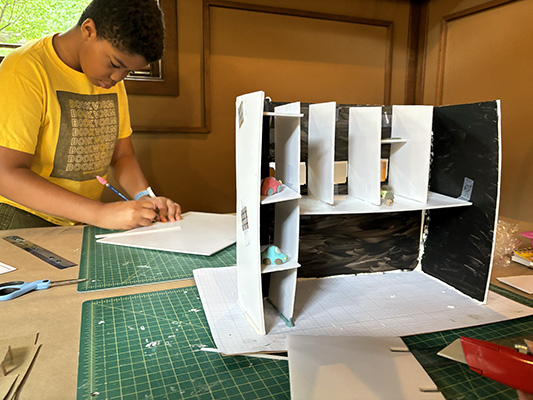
(478, 51)
(166, 81)
(445, 23)
(349, 51)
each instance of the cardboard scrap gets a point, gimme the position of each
(6, 383)
(520, 282)
(17, 355)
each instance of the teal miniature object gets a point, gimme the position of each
(273, 255)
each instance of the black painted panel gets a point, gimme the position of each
(459, 241)
(355, 243)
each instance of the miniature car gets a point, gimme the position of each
(273, 255)
(270, 185)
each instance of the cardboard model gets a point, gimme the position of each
(459, 143)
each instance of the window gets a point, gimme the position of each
(23, 20)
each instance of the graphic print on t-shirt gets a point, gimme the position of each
(87, 135)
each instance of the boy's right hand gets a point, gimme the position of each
(125, 214)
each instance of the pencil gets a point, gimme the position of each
(104, 182)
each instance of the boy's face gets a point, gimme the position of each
(102, 63)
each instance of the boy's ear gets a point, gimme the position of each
(88, 29)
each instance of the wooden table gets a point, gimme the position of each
(56, 313)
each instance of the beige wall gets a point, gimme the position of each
(488, 55)
(311, 59)
(303, 58)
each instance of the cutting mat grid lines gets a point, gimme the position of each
(148, 346)
(106, 266)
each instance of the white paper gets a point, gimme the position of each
(355, 368)
(155, 227)
(4, 268)
(197, 233)
(391, 304)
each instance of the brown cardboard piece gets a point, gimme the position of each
(18, 355)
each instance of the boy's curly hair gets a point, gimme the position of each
(133, 26)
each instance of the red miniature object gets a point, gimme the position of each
(269, 186)
(500, 363)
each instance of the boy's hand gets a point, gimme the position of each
(166, 209)
(126, 214)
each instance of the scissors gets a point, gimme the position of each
(11, 290)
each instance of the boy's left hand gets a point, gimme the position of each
(167, 209)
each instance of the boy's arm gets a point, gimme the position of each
(128, 173)
(20, 184)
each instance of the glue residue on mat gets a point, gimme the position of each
(179, 325)
(174, 389)
(200, 389)
(198, 346)
(151, 348)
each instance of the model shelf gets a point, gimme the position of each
(353, 205)
(290, 264)
(280, 114)
(393, 141)
(286, 194)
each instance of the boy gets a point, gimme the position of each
(64, 120)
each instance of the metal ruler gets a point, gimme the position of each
(40, 252)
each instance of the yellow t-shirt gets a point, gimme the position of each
(55, 113)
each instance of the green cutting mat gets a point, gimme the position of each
(455, 380)
(106, 266)
(147, 346)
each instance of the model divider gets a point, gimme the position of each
(408, 165)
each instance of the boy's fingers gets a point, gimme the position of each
(165, 209)
(174, 212)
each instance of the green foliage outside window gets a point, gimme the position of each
(23, 20)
